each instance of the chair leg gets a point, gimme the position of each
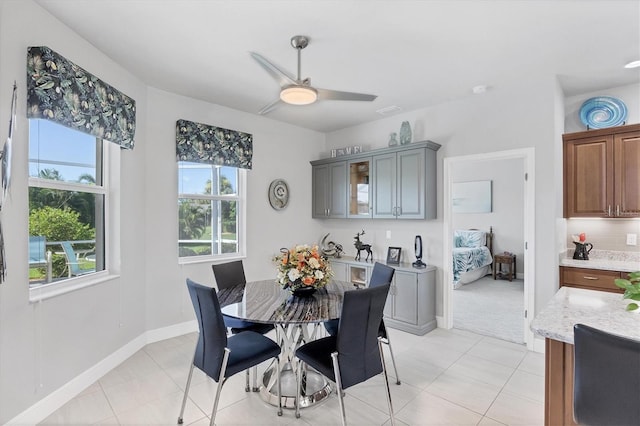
(336, 372)
(221, 380)
(298, 388)
(255, 379)
(393, 359)
(386, 382)
(279, 386)
(186, 392)
(246, 381)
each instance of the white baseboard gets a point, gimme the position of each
(440, 321)
(538, 345)
(56, 399)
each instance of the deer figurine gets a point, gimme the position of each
(360, 247)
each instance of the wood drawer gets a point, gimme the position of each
(595, 279)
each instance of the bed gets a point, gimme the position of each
(472, 255)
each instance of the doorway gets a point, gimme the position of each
(523, 158)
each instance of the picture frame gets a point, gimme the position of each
(393, 255)
(472, 197)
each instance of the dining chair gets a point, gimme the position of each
(228, 275)
(218, 355)
(354, 354)
(381, 275)
(606, 381)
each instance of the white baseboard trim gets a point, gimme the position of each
(538, 345)
(56, 399)
(440, 321)
(171, 331)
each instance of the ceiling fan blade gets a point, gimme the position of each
(336, 95)
(273, 105)
(280, 76)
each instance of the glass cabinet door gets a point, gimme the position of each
(359, 188)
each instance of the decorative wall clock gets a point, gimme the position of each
(278, 194)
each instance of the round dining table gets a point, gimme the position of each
(297, 320)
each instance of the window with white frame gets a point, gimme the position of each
(210, 210)
(67, 202)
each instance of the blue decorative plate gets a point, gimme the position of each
(602, 112)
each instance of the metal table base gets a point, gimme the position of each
(315, 387)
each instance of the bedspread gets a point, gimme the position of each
(469, 258)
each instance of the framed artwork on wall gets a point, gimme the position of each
(472, 197)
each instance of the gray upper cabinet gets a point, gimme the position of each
(359, 188)
(399, 187)
(388, 183)
(330, 190)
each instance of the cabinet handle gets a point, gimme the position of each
(591, 278)
(609, 210)
(618, 210)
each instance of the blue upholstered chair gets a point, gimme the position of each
(606, 381)
(354, 354)
(219, 356)
(381, 275)
(228, 275)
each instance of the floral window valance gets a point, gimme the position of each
(201, 143)
(61, 91)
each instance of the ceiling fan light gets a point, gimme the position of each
(299, 95)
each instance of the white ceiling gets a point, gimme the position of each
(412, 54)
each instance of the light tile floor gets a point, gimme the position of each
(449, 377)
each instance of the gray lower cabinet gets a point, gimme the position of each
(410, 305)
(329, 183)
(339, 271)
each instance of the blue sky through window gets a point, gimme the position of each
(193, 177)
(53, 146)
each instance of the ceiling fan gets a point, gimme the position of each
(298, 91)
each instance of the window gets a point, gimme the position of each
(209, 210)
(67, 203)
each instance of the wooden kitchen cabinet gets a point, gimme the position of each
(602, 173)
(591, 279)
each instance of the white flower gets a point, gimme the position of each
(319, 275)
(294, 274)
(313, 262)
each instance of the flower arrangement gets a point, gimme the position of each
(302, 267)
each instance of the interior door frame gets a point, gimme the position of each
(528, 157)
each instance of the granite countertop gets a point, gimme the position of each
(624, 261)
(598, 309)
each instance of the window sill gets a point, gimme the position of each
(209, 259)
(48, 291)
